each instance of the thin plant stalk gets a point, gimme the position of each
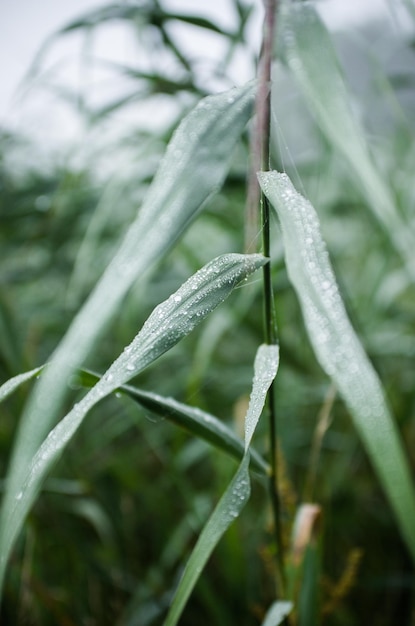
(260, 160)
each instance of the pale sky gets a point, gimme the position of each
(25, 25)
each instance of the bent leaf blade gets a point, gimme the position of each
(168, 323)
(337, 347)
(238, 491)
(198, 423)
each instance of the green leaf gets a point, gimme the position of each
(265, 370)
(110, 12)
(13, 383)
(238, 491)
(168, 323)
(157, 82)
(144, 10)
(226, 511)
(310, 55)
(194, 420)
(277, 612)
(201, 22)
(198, 423)
(337, 347)
(194, 167)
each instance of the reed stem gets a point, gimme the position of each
(260, 160)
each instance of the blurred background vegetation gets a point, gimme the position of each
(108, 537)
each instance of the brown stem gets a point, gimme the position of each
(259, 148)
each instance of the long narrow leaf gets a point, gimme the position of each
(13, 383)
(265, 370)
(198, 423)
(168, 323)
(194, 166)
(194, 420)
(226, 511)
(337, 347)
(109, 12)
(238, 491)
(311, 57)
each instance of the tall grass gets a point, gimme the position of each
(122, 504)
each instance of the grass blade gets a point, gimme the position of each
(104, 14)
(337, 347)
(168, 323)
(198, 423)
(194, 420)
(226, 511)
(265, 370)
(312, 60)
(238, 491)
(194, 166)
(13, 383)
